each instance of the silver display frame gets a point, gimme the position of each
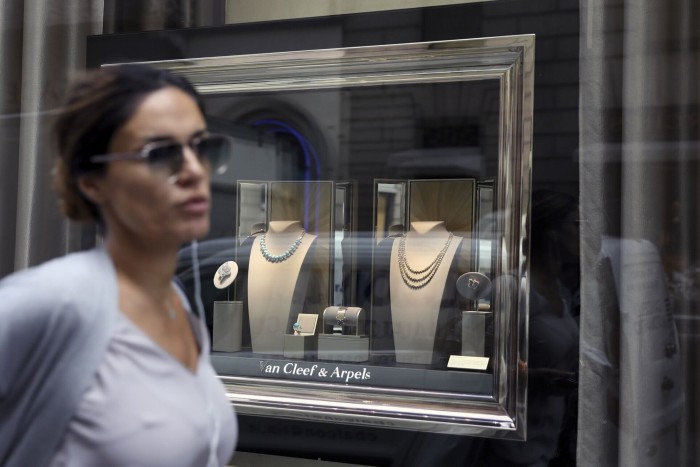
(510, 61)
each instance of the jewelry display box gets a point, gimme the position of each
(343, 338)
(227, 333)
(302, 341)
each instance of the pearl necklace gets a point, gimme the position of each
(272, 258)
(418, 278)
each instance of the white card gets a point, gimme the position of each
(465, 362)
(307, 322)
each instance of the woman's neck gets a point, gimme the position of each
(150, 269)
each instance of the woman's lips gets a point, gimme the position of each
(196, 205)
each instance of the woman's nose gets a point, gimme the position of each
(193, 168)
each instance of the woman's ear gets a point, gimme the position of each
(92, 188)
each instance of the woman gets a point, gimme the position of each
(102, 361)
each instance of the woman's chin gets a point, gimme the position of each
(195, 232)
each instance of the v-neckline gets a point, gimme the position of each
(152, 343)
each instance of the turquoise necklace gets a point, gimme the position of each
(273, 258)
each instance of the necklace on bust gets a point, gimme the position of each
(418, 278)
(285, 255)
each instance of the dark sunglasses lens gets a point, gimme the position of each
(166, 157)
(214, 151)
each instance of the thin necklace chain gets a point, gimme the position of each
(419, 278)
(170, 310)
(272, 258)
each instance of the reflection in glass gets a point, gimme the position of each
(390, 214)
(343, 252)
(252, 211)
(485, 234)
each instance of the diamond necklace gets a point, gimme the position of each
(419, 278)
(272, 258)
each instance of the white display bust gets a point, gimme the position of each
(415, 311)
(275, 289)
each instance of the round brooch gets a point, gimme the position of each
(225, 275)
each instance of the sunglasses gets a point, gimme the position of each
(166, 157)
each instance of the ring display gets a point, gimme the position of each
(302, 344)
(474, 285)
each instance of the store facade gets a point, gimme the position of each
(451, 233)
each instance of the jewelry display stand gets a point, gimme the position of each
(228, 326)
(288, 259)
(278, 282)
(343, 338)
(420, 264)
(474, 286)
(228, 315)
(302, 343)
(474, 332)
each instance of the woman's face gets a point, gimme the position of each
(139, 205)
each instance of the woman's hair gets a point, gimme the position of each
(96, 106)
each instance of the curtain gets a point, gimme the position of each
(639, 152)
(42, 46)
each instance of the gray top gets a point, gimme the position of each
(56, 322)
(145, 408)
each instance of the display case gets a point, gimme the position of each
(383, 190)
